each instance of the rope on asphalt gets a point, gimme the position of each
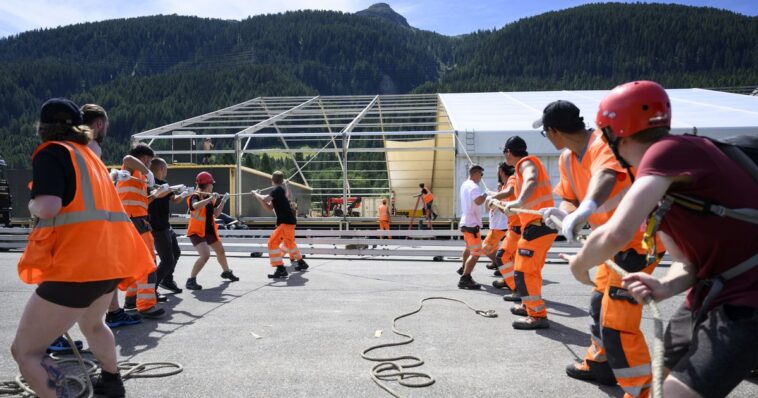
(388, 369)
(657, 364)
(128, 370)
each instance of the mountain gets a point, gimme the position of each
(150, 71)
(385, 12)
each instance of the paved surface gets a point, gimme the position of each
(313, 327)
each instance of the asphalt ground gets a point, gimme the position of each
(303, 337)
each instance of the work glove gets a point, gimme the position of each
(178, 188)
(185, 194)
(549, 212)
(576, 220)
(162, 188)
(150, 179)
(507, 206)
(123, 175)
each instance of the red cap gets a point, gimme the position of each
(204, 177)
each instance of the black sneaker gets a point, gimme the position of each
(491, 266)
(229, 275)
(121, 318)
(152, 312)
(279, 273)
(130, 303)
(514, 296)
(192, 284)
(460, 271)
(497, 273)
(301, 265)
(171, 286)
(500, 284)
(109, 385)
(161, 298)
(466, 282)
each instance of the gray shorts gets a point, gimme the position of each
(718, 355)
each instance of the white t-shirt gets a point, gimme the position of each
(471, 213)
(498, 220)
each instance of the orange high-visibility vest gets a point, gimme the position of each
(428, 197)
(513, 220)
(91, 238)
(133, 195)
(383, 214)
(197, 219)
(541, 197)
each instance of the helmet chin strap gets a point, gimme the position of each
(613, 143)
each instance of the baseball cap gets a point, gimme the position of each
(515, 143)
(61, 111)
(562, 115)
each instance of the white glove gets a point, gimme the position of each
(510, 205)
(224, 199)
(162, 188)
(549, 212)
(150, 178)
(123, 175)
(178, 188)
(185, 194)
(576, 220)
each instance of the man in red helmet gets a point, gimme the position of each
(710, 341)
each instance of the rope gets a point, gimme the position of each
(470, 162)
(128, 370)
(388, 369)
(657, 364)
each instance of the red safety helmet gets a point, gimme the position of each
(633, 107)
(204, 177)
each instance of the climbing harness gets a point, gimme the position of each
(128, 370)
(388, 368)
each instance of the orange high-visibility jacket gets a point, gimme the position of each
(197, 219)
(541, 197)
(384, 215)
(91, 238)
(575, 181)
(428, 197)
(133, 195)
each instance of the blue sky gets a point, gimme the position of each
(450, 17)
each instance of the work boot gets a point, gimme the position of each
(519, 309)
(460, 271)
(602, 372)
(130, 303)
(301, 265)
(121, 318)
(109, 384)
(161, 298)
(466, 282)
(514, 296)
(192, 284)
(61, 346)
(280, 272)
(497, 273)
(229, 275)
(170, 285)
(491, 266)
(152, 312)
(531, 323)
(500, 284)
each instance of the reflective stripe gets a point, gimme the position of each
(538, 308)
(131, 289)
(474, 247)
(508, 274)
(128, 189)
(86, 185)
(134, 203)
(274, 259)
(146, 296)
(142, 286)
(197, 217)
(535, 202)
(597, 342)
(635, 391)
(506, 266)
(635, 371)
(612, 203)
(530, 298)
(274, 251)
(83, 216)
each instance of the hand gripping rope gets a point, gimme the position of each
(388, 369)
(657, 364)
(128, 370)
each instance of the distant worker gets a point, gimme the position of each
(498, 221)
(384, 218)
(284, 234)
(592, 184)
(534, 192)
(204, 206)
(81, 249)
(700, 201)
(428, 198)
(471, 197)
(505, 256)
(207, 145)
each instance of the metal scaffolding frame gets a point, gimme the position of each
(319, 130)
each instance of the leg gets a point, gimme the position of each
(288, 240)
(114, 305)
(165, 253)
(99, 336)
(177, 251)
(31, 340)
(204, 253)
(274, 252)
(218, 248)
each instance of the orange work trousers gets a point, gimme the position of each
(531, 253)
(144, 288)
(282, 241)
(492, 241)
(384, 225)
(505, 256)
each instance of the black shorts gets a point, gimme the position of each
(75, 294)
(719, 355)
(209, 239)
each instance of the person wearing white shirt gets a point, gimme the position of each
(472, 198)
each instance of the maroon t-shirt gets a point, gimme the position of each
(712, 243)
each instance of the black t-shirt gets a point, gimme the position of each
(209, 218)
(159, 210)
(53, 174)
(282, 208)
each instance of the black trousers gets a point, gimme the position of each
(168, 252)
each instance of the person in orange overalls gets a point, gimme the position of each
(384, 217)
(504, 257)
(283, 237)
(204, 206)
(498, 220)
(134, 194)
(80, 250)
(534, 192)
(592, 185)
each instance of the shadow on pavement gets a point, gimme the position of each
(564, 310)
(565, 334)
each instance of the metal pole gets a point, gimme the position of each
(344, 173)
(238, 178)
